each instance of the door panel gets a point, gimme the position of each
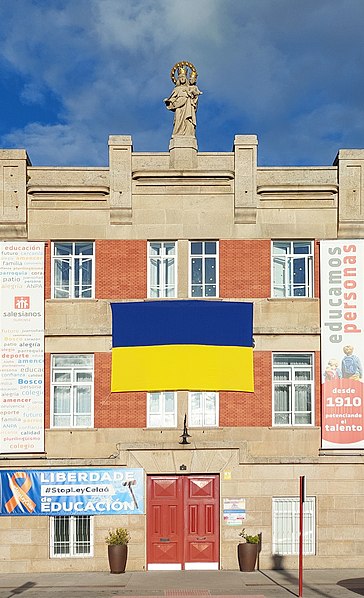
(183, 522)
(201, 499)
(164, 520)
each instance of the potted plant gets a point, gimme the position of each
(248, 551)
(117, 549)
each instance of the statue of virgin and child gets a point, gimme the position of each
(184, 99)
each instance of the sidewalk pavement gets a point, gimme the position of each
(328, 583)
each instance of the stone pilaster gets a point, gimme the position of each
(13, 193)
(245, 152)
(350, 163)
(120, 150)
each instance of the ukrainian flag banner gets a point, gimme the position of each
(182, 345)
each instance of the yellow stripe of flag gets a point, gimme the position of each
(168, 367)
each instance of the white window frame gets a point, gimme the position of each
(203, 412)
(288, 286)
(162, 411)
(72, 535)
(285, 525)
(292, 383)
(74, 384)
(72, 257)
(203, 256)
(162, 258)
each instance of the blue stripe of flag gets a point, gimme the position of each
(189, 322)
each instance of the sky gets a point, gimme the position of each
(76, 71)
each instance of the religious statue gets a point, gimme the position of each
(184, 99)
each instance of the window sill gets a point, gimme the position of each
(294, 427)
(71, 429)
(283, 299)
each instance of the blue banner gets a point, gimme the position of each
(55, 492)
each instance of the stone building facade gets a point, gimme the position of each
(230, 220)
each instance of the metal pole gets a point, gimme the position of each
(300, 550)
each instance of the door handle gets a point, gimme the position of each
(201, 538)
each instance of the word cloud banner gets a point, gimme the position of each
(21, 347)
(342, 343)
(72, 492)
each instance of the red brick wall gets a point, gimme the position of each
(121, 269)
(244, 268)
(117, 409)
(239, 409)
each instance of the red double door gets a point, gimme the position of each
(183, 522)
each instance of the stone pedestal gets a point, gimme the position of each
(183, 153)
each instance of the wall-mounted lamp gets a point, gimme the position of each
(183, 467)
(185, 433)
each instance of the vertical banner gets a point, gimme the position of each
(21, 347)
(342, 343)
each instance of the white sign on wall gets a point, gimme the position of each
(21, 347)
(342, 343)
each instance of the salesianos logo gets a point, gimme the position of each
(22, 302)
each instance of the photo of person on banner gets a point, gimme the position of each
(332, 370)
(351, 366)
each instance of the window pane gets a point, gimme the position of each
(72, 270)
(161, 409)
(301, 247)
(84, 248)
(303, 418)
(196, 248)
(293, 400)
(72, 359)
(70, 536)
(72, 390)
(282, 419)
(83, 376)
(281, 398)
(196, 270)
(83, 400)
(210, 291)
(169, 271)
(203, 409)
(162, 269)
(210, 247)
(303, 397)
(210, 270)
(82, 535)
(281, 375)
(286, 526)
(155, 248)
(280, 248)
(62, 274)
(62, 399)
(62, 249)
(61, 535)
(62, 377)
(170, 248)
(169, 402)
(197, 291)
(292, 275)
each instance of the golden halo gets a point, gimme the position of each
(189, 65)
